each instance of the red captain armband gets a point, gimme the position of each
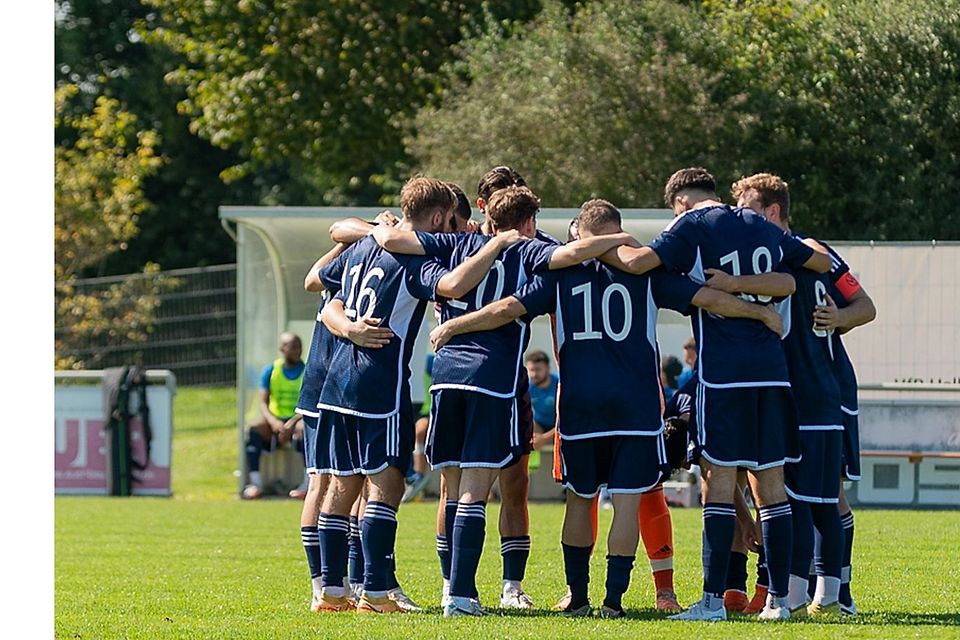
(848, 285)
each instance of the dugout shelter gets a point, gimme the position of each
(907, 360)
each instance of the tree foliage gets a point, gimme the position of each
(98, 199)
(855, 104)
(325, 89)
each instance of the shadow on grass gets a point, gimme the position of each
(651, 615)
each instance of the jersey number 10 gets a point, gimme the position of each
(588, 332)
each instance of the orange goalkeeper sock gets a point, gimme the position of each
(656, 529)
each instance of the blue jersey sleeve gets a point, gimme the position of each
(265, 377)
(439, 245)
(838, 266)
(536, 255)
(332, 274)
(677, 245)
(539, 295)
(422, 275)
(672, 291)
(795, 253)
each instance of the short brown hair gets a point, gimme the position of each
(464, 210)
(690, 343)
(772, 189)
(511, 207)
(421, 197)
(690, 179)
(498, 178)
(537, 356)
(596, 214)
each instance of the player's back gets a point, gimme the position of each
(809, 352)
(738, 241)
(608, 356)
(375, 284)
(485, 361)
(607, 345)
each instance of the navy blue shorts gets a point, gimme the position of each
(348, 445)
(816, 478)
(751, 427)
(310, 443)
(850, 465)
(472, 429)
(622, 464)
(525, 418)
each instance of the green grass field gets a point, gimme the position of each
(205, 565)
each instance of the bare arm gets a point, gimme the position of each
(312, 282)
(276, 424)
(585, 249)
(349, 230)
(470, 272)
(860, 311)
(636, 260)
(397, 241)
(496, 314)
(730, 306)
(820, 260)
(365, 333)
(774, 283)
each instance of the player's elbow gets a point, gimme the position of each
(789, 285)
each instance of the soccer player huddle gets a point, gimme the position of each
(770, 413)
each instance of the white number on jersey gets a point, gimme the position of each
(482, 287)
(367, 292)
(733, 259)
(588, 332)
(820, 292)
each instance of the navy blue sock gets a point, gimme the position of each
(802, 538)
(576, 565)
(310, 537)
(763, 578)
(443, 552)
(776, 524)
(829, 556)
(737, 572)
(719, 520)
(378, 535)
(469, 529)
(618, 579)
(333, 548)
(515, 551)
(356, 552)
(392, 570)
(253, 448)
(846, 520)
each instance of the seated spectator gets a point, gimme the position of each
(690, 361)
(670, 368)
(279, 391)
(543, 397)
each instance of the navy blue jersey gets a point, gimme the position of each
(682, 401)
(733, 352)
(372, 383)
(606, 329)
(322, 345)
(809, 354)
(842, 366)
(486, 361)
